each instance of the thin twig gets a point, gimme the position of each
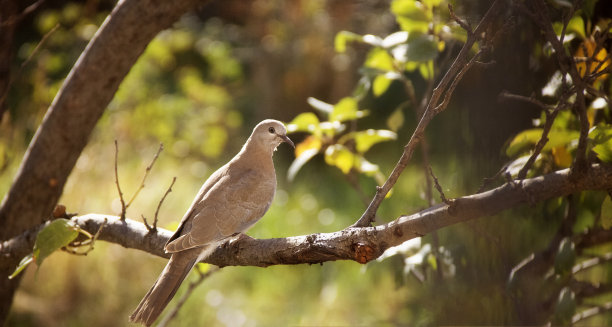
(439, 188)
(465, 25)
(192, 286)
(117, 183)
(16, 19)
(146, 174)
(162, 201)
(28, 60)
(531, 99)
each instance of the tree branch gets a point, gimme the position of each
(361, 244)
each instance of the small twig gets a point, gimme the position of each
(192, 286)
(160, 203)
(505, 95)
(90, 241)
(466, 26)
(439, 188)
(123, 208)
(550, 118)
(16, 19)
(28, 60)
(146, 174)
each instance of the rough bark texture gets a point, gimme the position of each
(360, 244)
(66, 127)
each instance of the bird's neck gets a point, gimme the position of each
(257, 152)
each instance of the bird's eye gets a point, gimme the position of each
(271, 130)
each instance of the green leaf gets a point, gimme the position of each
(396, 120)
(576, 25)
(346, 109)
(380, 59)
(366, 139)
(339, 156)
(604, 151)
(565, 308)
(380, 85)
(566, 256)
(421, 47)
(22, 265)
(426, 69)
(606, 213)
(412, 16)
(304, 122)
(54, 236)
(525, 140)
(344, 37)
(323, 107)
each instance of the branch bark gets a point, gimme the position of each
(66, 127)
(360, 244)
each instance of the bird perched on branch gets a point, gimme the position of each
(233, 198)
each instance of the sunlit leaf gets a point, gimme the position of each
(304, 122)
(396, 120)
(372, 40)
(344, 37)
(604, 151)
(576, 25)
(366, 139)
(561, 156)
(366, 167)
(311, 142)
(412, 16)
(380, 59)
(339, 156)
(323, 107)
(380, 85)
(22, 265)
(395, 39)
(525, 140)
(606, 213)
(299, 162)
(426, 70)
(57, 234)
(346, 109)
(599, 63)
(550, 89)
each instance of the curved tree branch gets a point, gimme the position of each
(360, 244)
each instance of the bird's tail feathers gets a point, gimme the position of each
(160, 294)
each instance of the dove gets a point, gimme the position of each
(231, 200)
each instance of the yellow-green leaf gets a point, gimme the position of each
(304, 122)
(346, 109)
(311, 142)
(344, 37)
(366, 139)
(339, 156)
(380, 59)
(396, 120)
(380, 85)
(22, 265)
(54, 236)
(606, 213)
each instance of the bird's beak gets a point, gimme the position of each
(287, 140)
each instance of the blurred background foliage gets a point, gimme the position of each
(349, 77)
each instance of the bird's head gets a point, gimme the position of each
(270, 133)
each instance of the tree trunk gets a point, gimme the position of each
(66, 127)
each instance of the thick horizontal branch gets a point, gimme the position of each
(360, 244)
